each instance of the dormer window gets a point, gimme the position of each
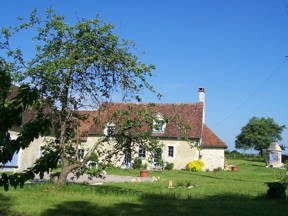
(159, 124)
(109, 129)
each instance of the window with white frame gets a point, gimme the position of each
(170, 151)
(141, 152)
(159, 124)
(109, 129)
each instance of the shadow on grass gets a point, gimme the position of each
(256, 160)
(5, 207)
(257, 165)
(225, 178)
(171, 204)
(106, 189)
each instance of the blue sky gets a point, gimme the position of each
(234, 49)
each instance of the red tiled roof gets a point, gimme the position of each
(189, 113)
(210, 140)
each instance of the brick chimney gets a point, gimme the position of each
(201, 96)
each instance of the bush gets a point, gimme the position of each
(237, 155)
(169, 166)
(276, 190)
(144, 166)
(195, 166)
(109, 166)
(217, 169)
(137, 163)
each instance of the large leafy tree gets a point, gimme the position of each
(258, 134)
(75, 66)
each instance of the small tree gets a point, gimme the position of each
(133, 128)
(75, 66)
(258, 134)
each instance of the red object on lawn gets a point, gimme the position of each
(234, 168)
(144, 173)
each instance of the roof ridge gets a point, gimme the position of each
(222, 143)
(180, 103)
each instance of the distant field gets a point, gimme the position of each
(216, 193)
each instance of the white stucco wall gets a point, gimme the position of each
(183, 153)
(28, 156)
(212, 158)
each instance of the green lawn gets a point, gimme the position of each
(217, 193)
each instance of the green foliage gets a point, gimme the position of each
(195, 166)
(76, 66)
(217, 169)
(133, 128)
(93, 157)
(137, 163)
(169, 166)
(258, 134)
(186, 184)
(157, 155)
(144, 166)
(85, 56)
(283, 175)
(238, 155)
(12, 107)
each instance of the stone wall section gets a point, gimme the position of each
(213, 158)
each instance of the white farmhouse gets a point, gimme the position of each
(207, 146)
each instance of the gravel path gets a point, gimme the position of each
(94, 181)
(110, 178)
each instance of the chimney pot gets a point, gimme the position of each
(201, 89)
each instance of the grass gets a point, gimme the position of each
(216, 193)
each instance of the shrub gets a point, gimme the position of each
(144, 166)
(109, 166)
(276, 190)
(169, 166)
(137, 163)
(217, 169)
(195, 166)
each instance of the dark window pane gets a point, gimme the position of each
(81, 154)
(142, 152)
(110, 130)
(170, 151)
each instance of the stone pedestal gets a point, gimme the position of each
(274, 155)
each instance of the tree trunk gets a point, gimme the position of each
(61, 180)
(261, 152)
